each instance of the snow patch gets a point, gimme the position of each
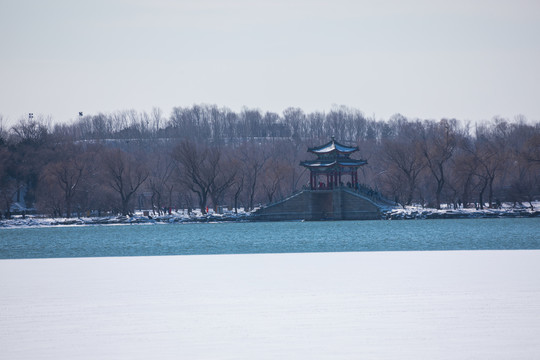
(418, 212)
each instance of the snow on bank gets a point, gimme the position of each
(387, 305)
(137, 218)
(397, 213)
(418, 212)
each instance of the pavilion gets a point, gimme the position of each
(327, 197)
(332, 164)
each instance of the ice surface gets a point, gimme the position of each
(387, 305)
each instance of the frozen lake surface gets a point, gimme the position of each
(314, 290)
(362, 305)
(265, 237)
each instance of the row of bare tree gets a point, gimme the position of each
(204, 156)
(208, 123)
(435, 162)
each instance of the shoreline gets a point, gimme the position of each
(413, 213)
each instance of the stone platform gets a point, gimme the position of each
(338, 204)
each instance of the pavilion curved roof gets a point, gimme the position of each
(321, 163)
(333, 146)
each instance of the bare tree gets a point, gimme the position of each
(254, 158)
(201, 168)
(68, 174)
(462, 179)
(3, 132)
(526, 182)
(487, 158)
(8, 184)
(532, 148)
(124, 174)
(53, 202)
(225, 174)
(238, 187)
(160, 181)
(438, 144)
(404, 155)
(272, 178)
(288, 155)
(31, 132)
(294, 118)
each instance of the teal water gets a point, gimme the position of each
(269, 237)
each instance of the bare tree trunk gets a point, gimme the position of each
(481, 194)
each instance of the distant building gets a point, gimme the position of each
(332, 166)
(333, 192)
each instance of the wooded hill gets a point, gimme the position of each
(204, 156)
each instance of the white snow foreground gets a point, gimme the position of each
(387, 305)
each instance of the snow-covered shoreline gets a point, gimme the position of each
(398, 213)
(376, 305)
(137, 218)
(417, 212)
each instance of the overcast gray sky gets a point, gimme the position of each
(469, 60)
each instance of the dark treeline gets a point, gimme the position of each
(204, 156)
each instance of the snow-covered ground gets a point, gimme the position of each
(386, 305)
(448, 212)
(137, 218)
(397, 213)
